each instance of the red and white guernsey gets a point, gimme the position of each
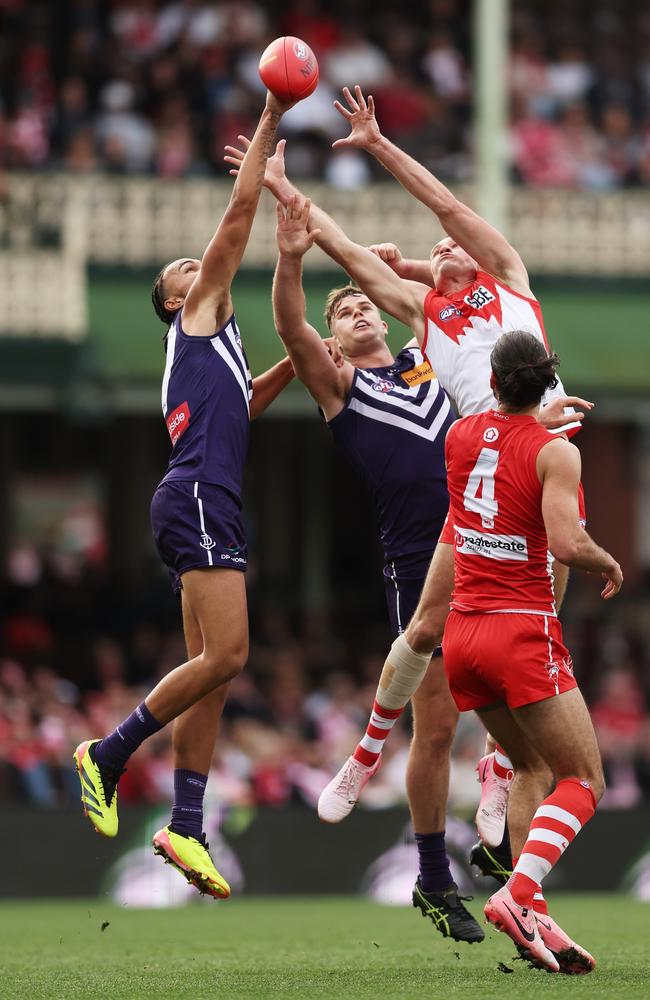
(460, 330)
(502, 562)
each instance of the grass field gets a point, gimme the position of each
(307, 947)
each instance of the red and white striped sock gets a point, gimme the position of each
(555, 825)
(539, 903)
(381, 722)
(502, 764)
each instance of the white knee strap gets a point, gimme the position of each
(402, 674)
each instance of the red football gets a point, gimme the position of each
(288, 68)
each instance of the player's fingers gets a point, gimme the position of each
(279, 149)
(306, 208)
(342, 110)
(360, 98)
(279, 211)
(233, 173)
(347, 93)
(577, 401)
(244, 140)
(341, 142)
(371, 104)
(313, 236)
(233, 151)
(557, 422)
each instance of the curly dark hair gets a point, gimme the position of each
(166, 316)
(523, 369)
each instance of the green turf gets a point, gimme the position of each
(310, 947)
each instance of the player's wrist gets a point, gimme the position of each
(378, 145)
(291, 254)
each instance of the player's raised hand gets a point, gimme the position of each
(293, 237)
(614, 583)
(553, 416)
(389, 253)
(274, 174)
(364, 130)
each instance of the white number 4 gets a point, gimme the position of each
(481, 480)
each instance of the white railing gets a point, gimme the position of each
(51, 226)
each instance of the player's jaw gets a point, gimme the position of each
(451, 266)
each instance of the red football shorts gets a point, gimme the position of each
(513, 658)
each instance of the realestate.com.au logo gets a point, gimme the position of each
(475, 543)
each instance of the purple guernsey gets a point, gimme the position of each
(206, 392)
(392, 429)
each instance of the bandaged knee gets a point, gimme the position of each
(402, 674)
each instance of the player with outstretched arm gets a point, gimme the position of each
(389, 416)
(208, 399)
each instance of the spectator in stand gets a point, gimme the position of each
(356, 58)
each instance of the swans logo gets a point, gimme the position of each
(300, 51)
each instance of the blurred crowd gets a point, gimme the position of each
(76, 654)
(159, 86)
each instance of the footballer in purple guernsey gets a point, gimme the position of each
(208, 399)
(389, 415)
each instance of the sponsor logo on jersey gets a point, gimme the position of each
(449, 312)
(234, 559)
(178, 421)
(383, 385)
(419, 374)
(207, 542)
(490, 435)
(475, 543)
(480, 297)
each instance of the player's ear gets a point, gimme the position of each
(173, 302)
(493, 384)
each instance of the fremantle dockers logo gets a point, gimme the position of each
(207, 542)
(300, 51)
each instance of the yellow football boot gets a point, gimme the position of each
(98, 790)
(190, 857)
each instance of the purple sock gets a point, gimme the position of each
(187, 811)
(435, 875)
(116, 748)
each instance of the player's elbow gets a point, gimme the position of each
(564, 549)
